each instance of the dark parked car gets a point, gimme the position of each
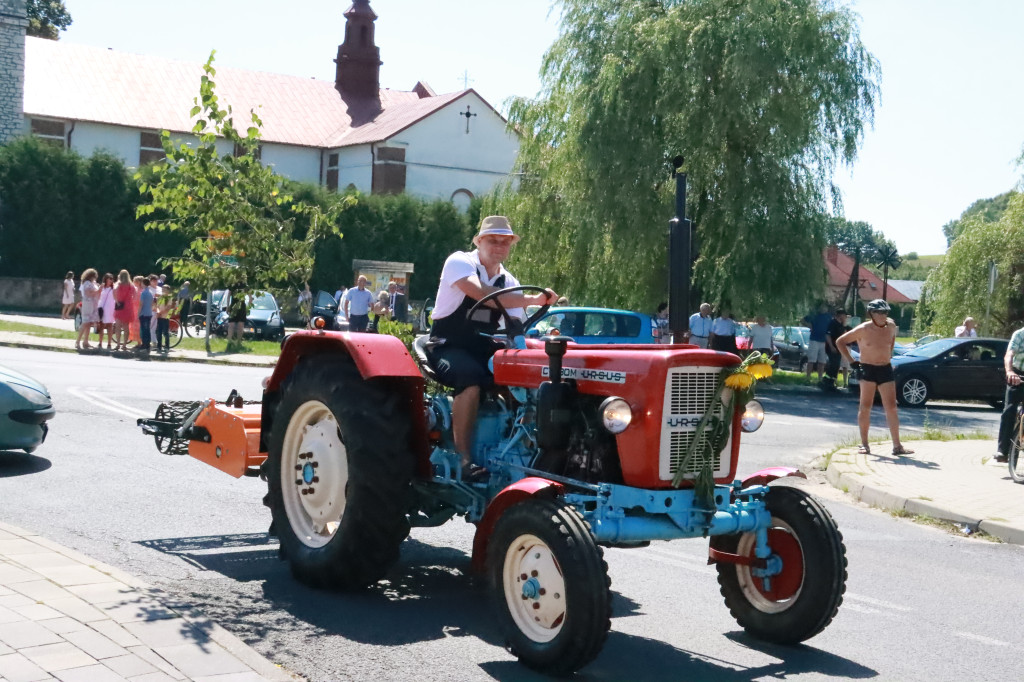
(596, 325)
(25, 407)
(792, 345)
(326, 307)
(954, 369)
(263, 321)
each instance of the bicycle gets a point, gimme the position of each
(1015, 461)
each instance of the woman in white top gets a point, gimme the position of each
(106, 304)
(761, 336)
(90, 305)
(68, 298)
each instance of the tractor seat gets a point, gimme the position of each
(419, 347)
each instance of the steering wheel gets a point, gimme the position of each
(513, 327)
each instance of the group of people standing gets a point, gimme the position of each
(123, 309)
(359, 302)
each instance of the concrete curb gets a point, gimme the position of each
(268, 362)
(190, 614)
(852, 482)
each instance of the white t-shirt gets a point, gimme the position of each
(760, 336)
(962, 333)
(360, 301)
(458, 266)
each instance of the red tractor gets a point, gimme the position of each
(588, 446)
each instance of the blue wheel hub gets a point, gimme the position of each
(531, 589)
(308, 472)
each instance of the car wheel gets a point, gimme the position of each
(912, 392)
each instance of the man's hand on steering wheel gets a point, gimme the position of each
(513, 327)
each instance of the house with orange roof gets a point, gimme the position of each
(346, 134)
(869, 285)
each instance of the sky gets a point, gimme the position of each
(947, 131)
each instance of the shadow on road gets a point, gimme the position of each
(21, 464)
(430, 595)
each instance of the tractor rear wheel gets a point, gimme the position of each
(801, 601)
(550, 586)
(339, 468)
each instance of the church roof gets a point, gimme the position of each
(81, 83)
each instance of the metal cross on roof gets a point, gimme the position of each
(467, 114)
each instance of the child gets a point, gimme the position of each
(164, 308)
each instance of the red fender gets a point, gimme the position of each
(517, 492)
(766, 476)
(375, 355)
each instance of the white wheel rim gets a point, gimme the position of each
(534, 588)
(314, 460)
(746, 581)
(913, 391)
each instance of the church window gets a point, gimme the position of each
(363, 36)
(332, 172)
(51, 132)
(389, 171)
(461, 198)
(150, 148)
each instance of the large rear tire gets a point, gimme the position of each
(339, 468)
(802, 600)
(550, 586)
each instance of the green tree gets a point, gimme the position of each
(985, 210)
(959, 286)
(762, 97)
(47, 18)
(243, 227)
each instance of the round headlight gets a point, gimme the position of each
(752, 417)
(616, 415)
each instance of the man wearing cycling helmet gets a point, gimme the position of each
(1013, 363)
(876, 339)
(459, 346)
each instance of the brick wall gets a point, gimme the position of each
(13, 22)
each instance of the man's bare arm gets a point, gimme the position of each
(1012, 377)
(472, 286)
(846, 339)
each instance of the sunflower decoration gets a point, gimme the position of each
(712, 433)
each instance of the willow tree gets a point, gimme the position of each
(959, 286)
(763, 98)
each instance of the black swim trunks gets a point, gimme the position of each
(879, 374)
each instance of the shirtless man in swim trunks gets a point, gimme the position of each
(876, 339)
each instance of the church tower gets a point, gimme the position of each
(358, 63)
(13, 22)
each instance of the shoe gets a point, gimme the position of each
(1001, 458)
(471, 473)
(863, 450)
(900, 450)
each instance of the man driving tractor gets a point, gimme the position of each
(459, 348)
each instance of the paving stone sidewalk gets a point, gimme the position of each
(64, 616)
(950, 480)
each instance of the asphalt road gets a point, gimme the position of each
(921, 604)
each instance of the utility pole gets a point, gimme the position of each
(679, 260)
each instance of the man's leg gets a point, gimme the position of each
(464, 409)
(1006, 422)
(892, 417)
(867, 397)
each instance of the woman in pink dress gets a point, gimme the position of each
(106, 310)
(124, 309)
(90, 304)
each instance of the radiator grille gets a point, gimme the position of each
(688, 393)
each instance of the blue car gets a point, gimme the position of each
(596, 325)
(25, 407)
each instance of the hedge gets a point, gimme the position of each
(60, 211)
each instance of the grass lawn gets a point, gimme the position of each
(217, 344)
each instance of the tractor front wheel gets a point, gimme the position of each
(801, 601)
(339, 468)
(550, 586)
